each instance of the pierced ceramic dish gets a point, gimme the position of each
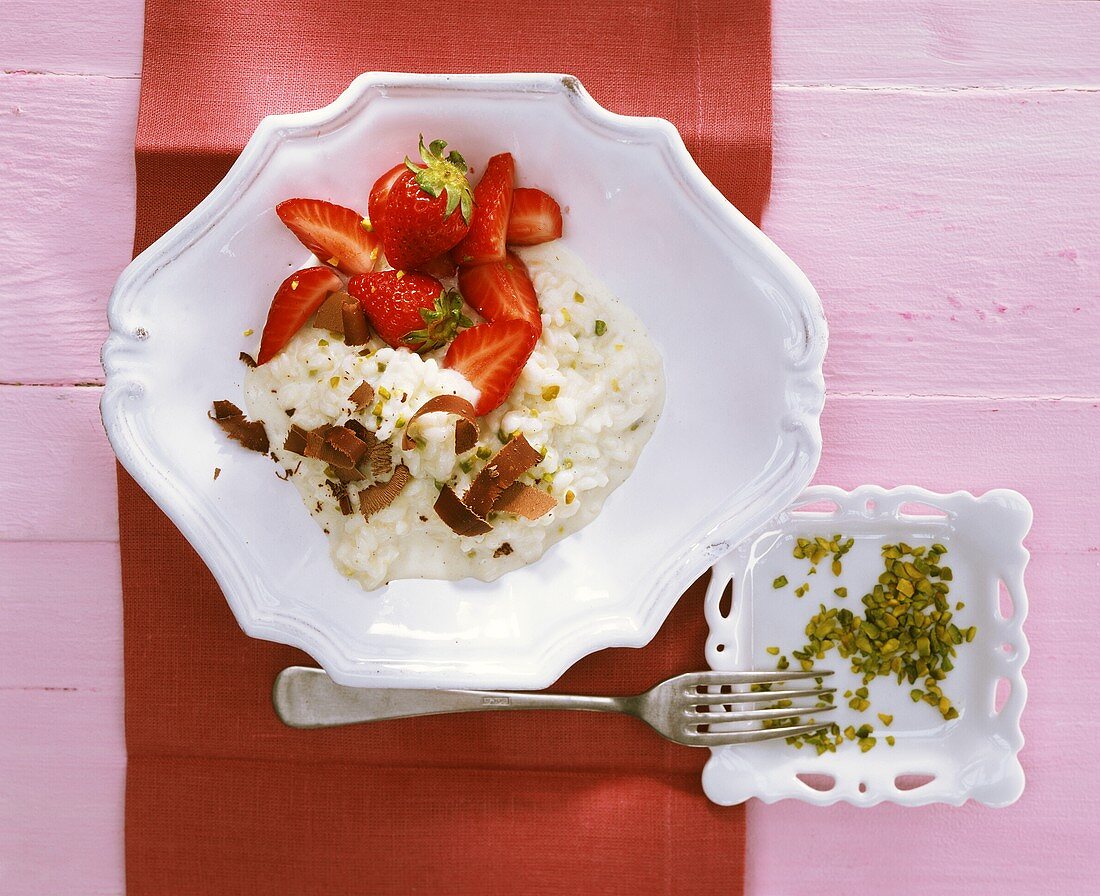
(973, 756)
(740, 329)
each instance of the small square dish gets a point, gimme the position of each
(933, 713)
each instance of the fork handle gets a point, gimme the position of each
(308, 698)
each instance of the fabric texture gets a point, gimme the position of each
(220, 797)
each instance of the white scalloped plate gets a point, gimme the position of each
(740, 328)
(972, 757)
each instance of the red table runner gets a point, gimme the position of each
(220, 797)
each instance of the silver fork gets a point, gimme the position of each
(679, 708)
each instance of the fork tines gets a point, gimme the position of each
(719, 698)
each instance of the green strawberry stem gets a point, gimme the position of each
(441, 323)
(444, 175)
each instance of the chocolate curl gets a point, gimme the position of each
(315, 440)
(524, 500)
(250, 433)
(379, 496)
(342, 448)
(363, 396)
(466, 429)
(504, 468)
(330, 315)
(296, 440)
(460, 518)
(356, 331)
(247, 360)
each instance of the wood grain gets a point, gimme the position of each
(68, 207)
(937, 43)
(955, 244)
(72, 37)
(59, 483)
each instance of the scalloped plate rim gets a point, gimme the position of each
(696, 551)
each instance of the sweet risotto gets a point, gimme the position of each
(446, 420)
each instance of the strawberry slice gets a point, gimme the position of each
(501, 290)
(491, 356)
(535, 218)
(380, 194)
(297, 298)
(484, 241)
(336, 235)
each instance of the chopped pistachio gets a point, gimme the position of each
(549, 393)
(774, 651)
(601, 327)
(780, 582)
(578, 298)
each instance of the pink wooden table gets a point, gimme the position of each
(936, 176)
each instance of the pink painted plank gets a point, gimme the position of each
(1042, 844)
(68, 208)
(936, 43)
(59, 480)
(61, 823)
(62, 754)
(953, 236)
(65, 595)
(72, 36)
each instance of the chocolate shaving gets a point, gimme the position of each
(458, 517)
(342, 447)
(381, 458)
(362, 396)
(524, 500)
(296, 440)
(250, 433)
(381, 495)
(503, 551)
(466, 430)
(340, 493)
(315, 440)
(285, 475)
(247, 360)
(330, 316)
(504, 468)
(356, 331)
(217, 473)
(361, 431)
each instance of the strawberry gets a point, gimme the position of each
(535, 218)
(380, 194)
(428, 208)
(439, 267)
(501, 290)
(296, 299)
(336, 235)
(410, 310)
(492, 203)
(491, 356)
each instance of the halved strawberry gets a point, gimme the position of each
(484, 241)
(295, 301)
(410, 310)
(491, 356)
(501, 290)
(336, 235)
(535, 218)
(380, 193)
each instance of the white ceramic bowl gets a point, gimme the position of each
(740, 328)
